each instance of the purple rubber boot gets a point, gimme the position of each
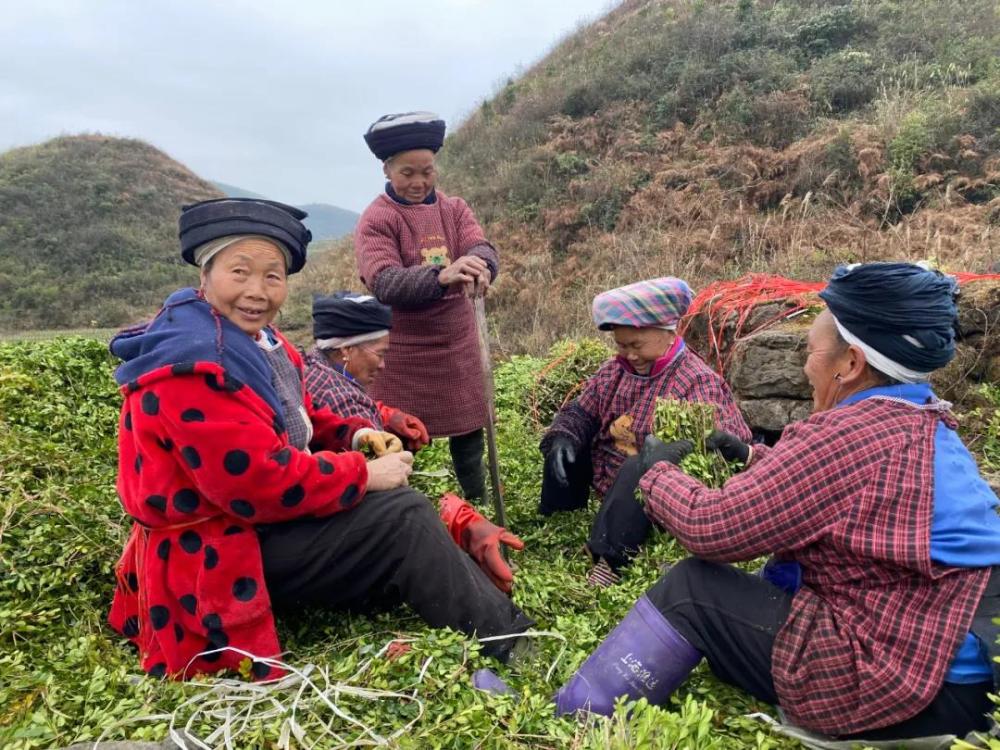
(644, 657)
(488, 681)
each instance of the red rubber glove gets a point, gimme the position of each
(480, 538)
(406, 426)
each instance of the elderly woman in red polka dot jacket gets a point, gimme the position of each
(244, 495)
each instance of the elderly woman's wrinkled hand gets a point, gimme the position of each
(390, 471)
(470, 271)
(379, 443)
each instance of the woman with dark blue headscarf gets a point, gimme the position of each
(246, 495)
(874, 620)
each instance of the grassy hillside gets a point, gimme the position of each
(706, 139)
(88, 231)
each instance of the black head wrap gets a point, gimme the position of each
(209, 220)
(901, 310)
(392, 134)
(346, 314)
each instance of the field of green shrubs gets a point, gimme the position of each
(66, 677)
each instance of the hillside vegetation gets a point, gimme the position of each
(88, 231)
(707, 139)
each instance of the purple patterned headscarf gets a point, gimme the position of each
(656, 303)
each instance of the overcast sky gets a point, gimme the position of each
(271, 97)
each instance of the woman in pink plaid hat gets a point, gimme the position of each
(595, 439)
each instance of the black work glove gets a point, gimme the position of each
(562, 453)
(730, 446)
(655, 450)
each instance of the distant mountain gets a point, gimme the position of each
(325, 221)
(88, 231)
(236, 192)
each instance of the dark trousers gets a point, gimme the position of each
(391, 548)
(733, 617)
(557, 498)
(621, 526)
(467, 456)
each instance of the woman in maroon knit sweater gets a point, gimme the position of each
(424, 254)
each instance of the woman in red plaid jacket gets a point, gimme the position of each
(594, 440)
(874, 618)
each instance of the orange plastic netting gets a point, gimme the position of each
(729, 304)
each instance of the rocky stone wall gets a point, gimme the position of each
(765, 368)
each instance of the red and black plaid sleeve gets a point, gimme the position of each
(849, 495)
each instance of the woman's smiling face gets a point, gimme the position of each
(412, 174)
(247, 282)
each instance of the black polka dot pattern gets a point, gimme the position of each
(157, 501)
(231, 384)
(211, 557)
(133, 386)
(158, 670)
(182, 368)
(212, 622)
(186, 501)
(236, 462)
(283, 456)
(231, 530)
(277, 425)
(133, 582)
(128, 420)
(260, 670)
(190, 541)
(217, 638)
(349, 496)
(325, 467)
(131, 627)
(150, 404)
(163, 549)
(192, 415)
(293, 496)
(165, 443)
(189, 602)
(244, 589)
(138, 464)
(178, 632)
(242, 508)
(159, 616)
(191, 456)
(212, 382)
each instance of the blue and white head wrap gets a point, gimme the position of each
(901, 315)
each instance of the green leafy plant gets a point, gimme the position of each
(685, 420)
(66, 677)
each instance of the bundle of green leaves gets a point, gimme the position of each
(561, 376)
(687, 420)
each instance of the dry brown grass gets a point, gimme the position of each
(708, 140)
(707, 212)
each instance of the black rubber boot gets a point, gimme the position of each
(467, 455)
